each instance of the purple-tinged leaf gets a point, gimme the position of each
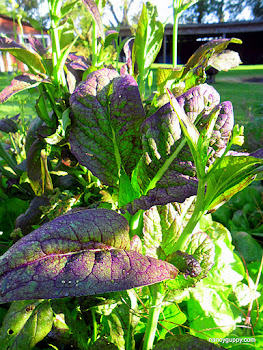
(76, 66)
(166, 172)
(129, 67)
(37, 168)
(81, 253)
(8, 125)
(222, 130)
(94, 11)
(31, 59)
(106, 116)
(25, 324)
(20, 83)
(37, 46)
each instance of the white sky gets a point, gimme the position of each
(164, 8)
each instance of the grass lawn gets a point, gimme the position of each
(236, 86)
(243, 86)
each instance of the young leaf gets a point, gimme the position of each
(22, 54)
(231, 175)
(106, 116)
(195, 264)
(20, 83)
(80, 253)
(25, 324)
(148, 39)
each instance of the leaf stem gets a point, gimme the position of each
(95, 326)
(157, 294)
(196, 216)
(94, 44)
(176, 16)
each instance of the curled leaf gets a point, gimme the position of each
(8, 125)
(20, 83)
(80, 253)
(32, 60)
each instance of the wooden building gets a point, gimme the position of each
(10, 28)
(191, 36)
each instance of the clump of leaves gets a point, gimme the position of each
(152, 173)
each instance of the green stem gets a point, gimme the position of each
(176, 16)
(154, 312)
(94, 44)
(196, 216)
(95, 326)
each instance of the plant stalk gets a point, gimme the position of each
(196, 216)
(94, 44)
(176, 16)
(154, 312)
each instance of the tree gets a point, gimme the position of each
(122, 13)
(220, 10)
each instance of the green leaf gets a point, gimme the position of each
(111, 35)
(25, 324)
(32, 60)
(171, 317)
(210, 313)
(148, 39)
(152, 232)
(228, 268)
(66, 9)
(126, 191)
(66, 34)
(189, 129)
(247, 246)
(58, 69)
(229, 176)
(122, 322)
